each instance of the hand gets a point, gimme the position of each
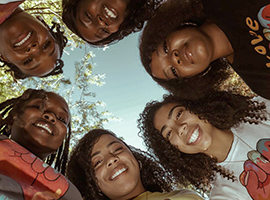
(256, 174)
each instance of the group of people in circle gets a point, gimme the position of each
(201, 138)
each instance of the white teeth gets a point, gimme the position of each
(23, 40)
(194, 136)
(45, 127)
(110, 13)
(118, 173)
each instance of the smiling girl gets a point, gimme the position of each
(188, 45)
(29, 47)
(103, 167)
(38, 126)
(101, 22)
(205, 142)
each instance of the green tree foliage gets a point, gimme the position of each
(51, 10)
(87, 112)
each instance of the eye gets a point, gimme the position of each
(178, 114)
(174, 72)
(118, 149)
(88, 17)
(168, 135)
(26, 62)
(62, 120)
(105, 31)
(46, 45)
(97, 163)
(165, 47)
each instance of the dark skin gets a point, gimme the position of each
(189, 51)
(98, 19)
(42, 127)
(28, 44)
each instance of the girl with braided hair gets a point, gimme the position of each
(205, 142)
(28, 46)
(102, 22)
(35, 127)
(102, 166)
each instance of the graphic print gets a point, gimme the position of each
(37, 179)
(256, 174)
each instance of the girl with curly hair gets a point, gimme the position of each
(35, 127)
(205, 142)
(29, 47)
(102, 166)
(101, 22)
(189, 44)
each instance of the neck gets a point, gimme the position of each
(221, 144)
(138, 191)
(221, 44)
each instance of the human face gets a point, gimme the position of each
(182, 129)
(98, 19)
(115, 167)
(28, 44)
(185, 53)
(42, 127)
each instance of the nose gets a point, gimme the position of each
(181, 129)
(32, 48)
(113, 159)
(175, 57)
(50, 117)
(101, 21)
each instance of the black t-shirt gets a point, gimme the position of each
(247, 25)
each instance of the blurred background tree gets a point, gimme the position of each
(87, 112)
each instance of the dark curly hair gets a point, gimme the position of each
(223, 110)
(15, 107)
(59, 38)
(171, 16)
(138, 11)
(81, 173)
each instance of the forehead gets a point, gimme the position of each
(54, 100)
(166, 108)
(162, 114)
(104, 141)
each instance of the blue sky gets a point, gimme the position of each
(127, 87)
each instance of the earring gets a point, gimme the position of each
(207, 70)
(140, 164)
(188, 24)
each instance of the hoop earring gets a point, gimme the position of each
(188, 24)
(207, 70)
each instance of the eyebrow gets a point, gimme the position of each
(33, 68)
(169, 117)
(110, 144)
(82, 22)
(50, 54)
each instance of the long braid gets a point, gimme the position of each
(13, 108)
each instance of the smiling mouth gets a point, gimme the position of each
(118, 173)
(110, 12)
(45, 127)
(194, 136)
(23, 40)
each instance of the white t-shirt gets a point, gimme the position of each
(246, 137)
